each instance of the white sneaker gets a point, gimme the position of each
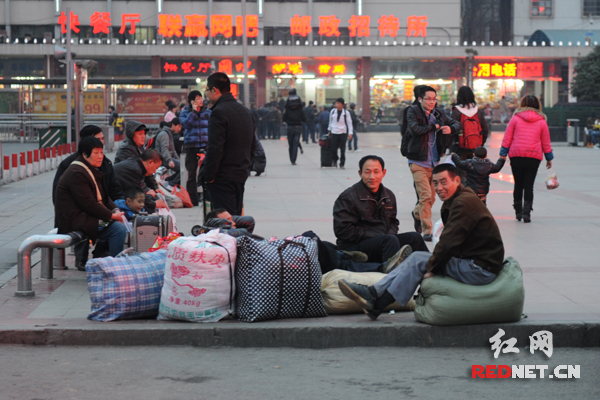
(596, 146)
(358, 150)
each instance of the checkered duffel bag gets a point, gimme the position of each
(280, 279)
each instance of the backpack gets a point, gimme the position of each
(471, 132)
(151, 143)
(293, 101)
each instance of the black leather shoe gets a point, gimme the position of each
(364, 296)
(80, 264)
(428, 237)
(417, 223)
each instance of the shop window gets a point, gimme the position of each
(542, 9)
(591, 7)
(31, 32)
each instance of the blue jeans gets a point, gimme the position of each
(115, 235)
(293, 136)
(402, 282)
(595, 137)
(309, 131)
(355, 140)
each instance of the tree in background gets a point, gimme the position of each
(586, 84)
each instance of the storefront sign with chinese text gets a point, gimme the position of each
(517, 70)
(312, 67)
(204, 67)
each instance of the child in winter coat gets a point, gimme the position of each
(478, 170)
(133, 203)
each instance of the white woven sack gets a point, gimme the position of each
(199, 282)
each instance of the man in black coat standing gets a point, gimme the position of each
(231, 146)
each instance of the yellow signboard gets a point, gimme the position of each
(55, 102)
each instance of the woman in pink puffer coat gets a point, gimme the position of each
(526, 142)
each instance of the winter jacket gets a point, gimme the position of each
(354, 119)
(260, 159)
(169, 116)
(129, 213)
(527, 135)
(166, 146)
(309, 113)
(457, 113)
(358, 216)
(196, 126)
(128, 148)
(418, 129)
(294, 115)
(470, 232)
(110, 181)
(76, 205)
(323, 118)
(478, 172)
(132, 173)
(231, 141)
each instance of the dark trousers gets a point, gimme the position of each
(274, 130)
(339, 142)
(262, 129)
(524, 170)
(227, 194)
(309, 131)
(323, 129)
(293, 137)
(330, 259)
(380, 248)
(191, 166)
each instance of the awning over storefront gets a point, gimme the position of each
(554, 37)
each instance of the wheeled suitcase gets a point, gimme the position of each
(146, 228)
(326, 155)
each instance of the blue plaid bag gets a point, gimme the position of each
(126, 287)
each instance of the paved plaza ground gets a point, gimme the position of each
(557, 251)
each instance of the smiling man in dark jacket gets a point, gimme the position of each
(364, 216)
(470, 249)
(429, 134)
(231, 146)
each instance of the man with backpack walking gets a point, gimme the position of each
(293, 116)
(429, 135)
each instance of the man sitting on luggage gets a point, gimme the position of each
(132, 173)
(82, 202)
(364, 216)
(470, 249)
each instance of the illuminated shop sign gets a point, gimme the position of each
(510, 70)
(202, 26)
(201, 67)
(312, 67)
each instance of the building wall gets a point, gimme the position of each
(568, 15)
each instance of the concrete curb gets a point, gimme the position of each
(310, 334)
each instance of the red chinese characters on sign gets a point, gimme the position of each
(226, 66)
(100, 21)
(338, 69)
(287, 68)
(251, 26)
(204, 67)
(329, 26)
(195, 26)
(324, 68)
(187, 67)
(239, 67)
(496, 70)
(170, 67)
(221, 24)
(531, 69)
(388, 25)
(416, 26)
(170, 25)
(300, 25)
(62, 21)
(130, 19)
(358, 25)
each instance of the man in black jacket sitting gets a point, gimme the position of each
(429, 135)
(231, 146)
(364, 216)
(133, 171)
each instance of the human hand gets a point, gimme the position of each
(117, 216)
(428, 275)
(437, 126)
(503, 157)
(161, 204)
(151, 193)
(548, 164)
(446, 130)
(349, 136)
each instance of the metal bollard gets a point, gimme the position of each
(47, 271)
(59, 259)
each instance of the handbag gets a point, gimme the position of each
(278, 279)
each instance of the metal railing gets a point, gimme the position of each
(47, 242)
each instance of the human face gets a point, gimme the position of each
(151, 167)
(100, 136)
(212, 94)
(372, 174)
(339, 105)
(444, 185)
(139, 138)
(176, 128)
(95, 159)
(228, 217)
(428, 102)
(136, 205)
